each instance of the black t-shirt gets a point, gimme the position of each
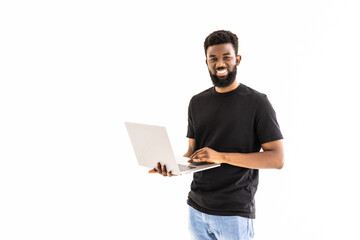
(237, 121)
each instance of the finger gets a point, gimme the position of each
(170, 174)
(199, 156)
(199, 160)
(159, 168)
(196, 153)
(164, 172)
(154, 170)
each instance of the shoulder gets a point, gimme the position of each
(202, 95)
(262, 105)
(252, 97)
(250, 92)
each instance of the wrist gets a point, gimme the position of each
(224, 158)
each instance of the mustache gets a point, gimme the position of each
(221, 68)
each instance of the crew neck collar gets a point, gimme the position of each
(213, 90)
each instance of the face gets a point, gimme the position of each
(222, 62)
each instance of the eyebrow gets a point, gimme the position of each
(223, 54)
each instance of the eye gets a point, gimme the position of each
(212, 60)
(227, 58)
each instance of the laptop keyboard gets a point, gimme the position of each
(184, 167)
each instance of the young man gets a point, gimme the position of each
(228, 124)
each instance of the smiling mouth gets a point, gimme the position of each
(221, 72)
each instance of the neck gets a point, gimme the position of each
(233, 86)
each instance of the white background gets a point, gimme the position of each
(72, 72)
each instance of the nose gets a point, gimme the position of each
(220, 63)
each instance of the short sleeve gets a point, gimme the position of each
(266, 125)
(191, 130)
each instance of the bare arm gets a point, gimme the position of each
(271, 157)
(191, 148)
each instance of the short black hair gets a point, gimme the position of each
(220, 37)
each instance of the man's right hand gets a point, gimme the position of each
(161, 170)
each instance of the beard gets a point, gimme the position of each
(222, 83)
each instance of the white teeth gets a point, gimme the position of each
(221, 71)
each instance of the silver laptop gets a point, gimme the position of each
(151, 145)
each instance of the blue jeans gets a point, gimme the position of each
(211, 227)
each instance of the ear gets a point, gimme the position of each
(206, 62)
(238, 59)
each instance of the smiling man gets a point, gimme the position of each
(228, 124)
(223, 72)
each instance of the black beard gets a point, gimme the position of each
(222, 83)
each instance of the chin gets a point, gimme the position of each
(223, 81)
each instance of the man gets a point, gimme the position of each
(228, 124)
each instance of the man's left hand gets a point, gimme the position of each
(206, 155)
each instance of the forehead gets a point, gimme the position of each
(220, 49)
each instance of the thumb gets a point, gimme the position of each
(153, 171)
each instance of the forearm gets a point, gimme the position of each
(258, 160)
(188, 154)
(191, 148)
